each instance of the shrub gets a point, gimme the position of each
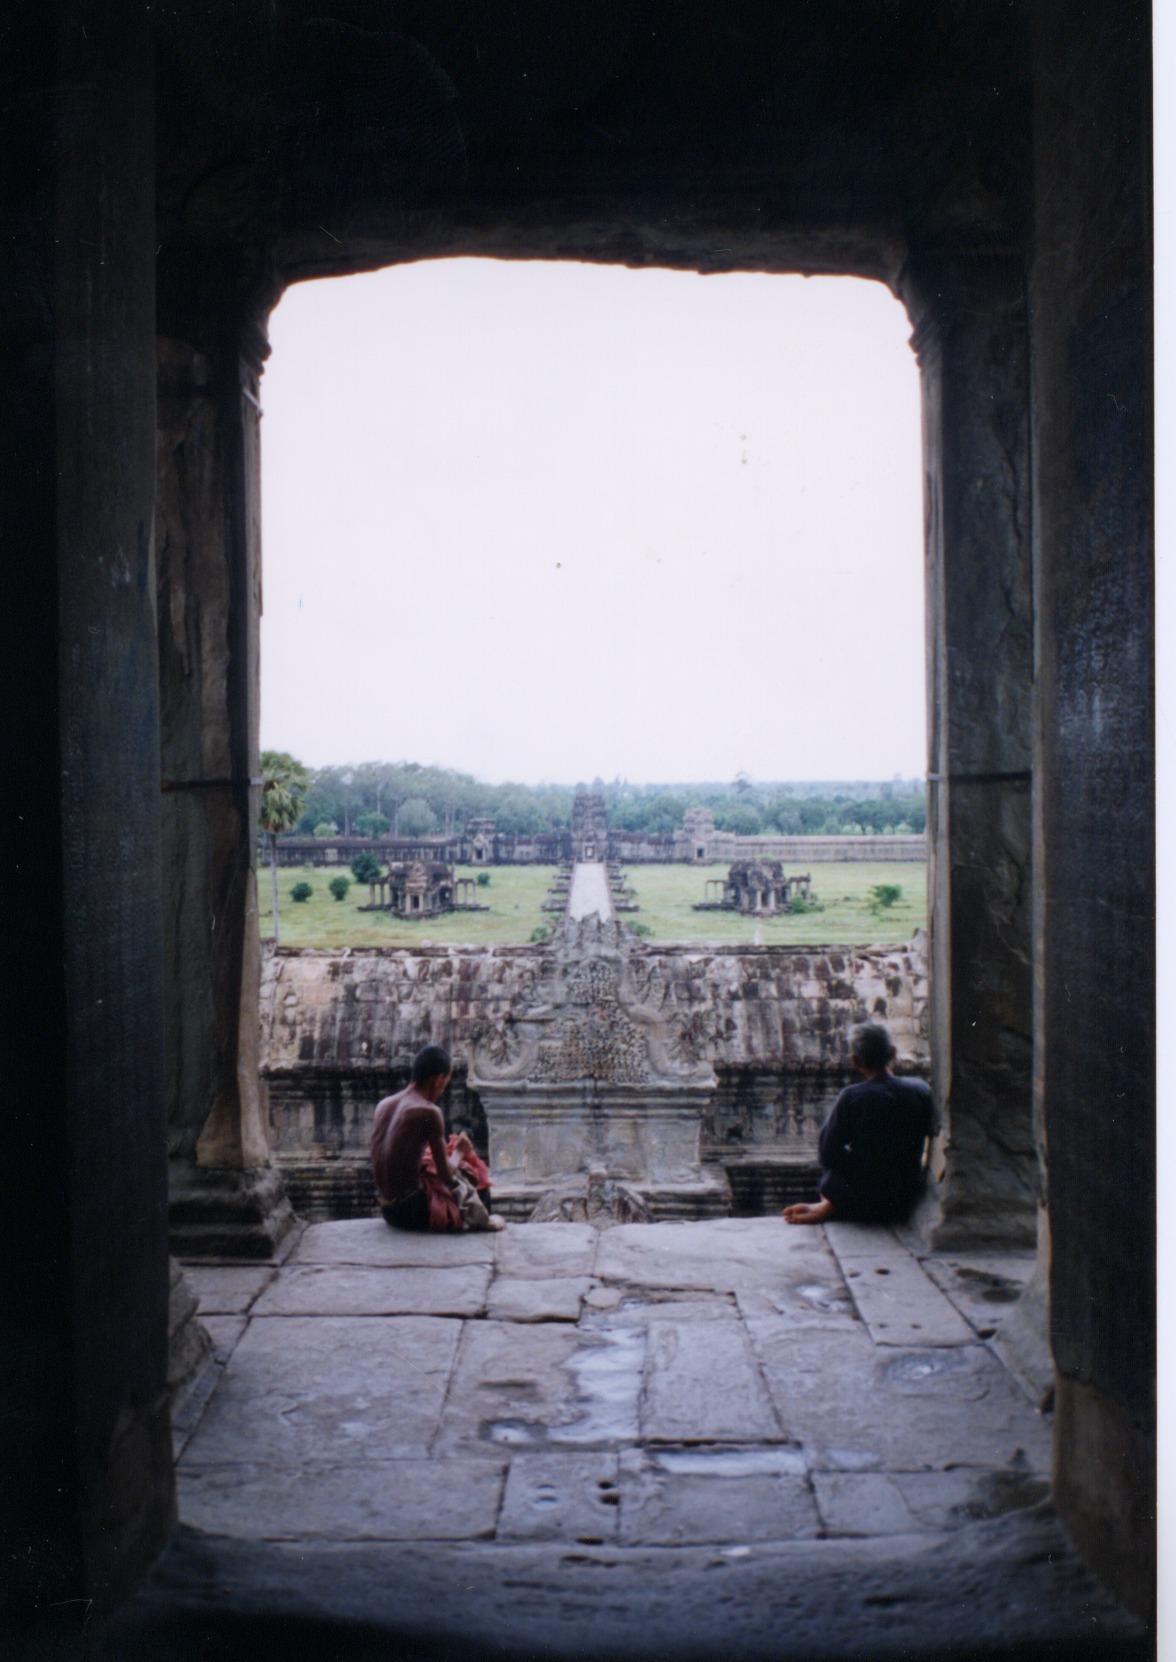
(483, 880)
(540, 933)
(339, 886)
(806, 903)
(324, 828)
(644, 930)
(365, 868)
(885, 894)
(301, 891)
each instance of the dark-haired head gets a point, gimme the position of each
(872, 1046)
(433, 1062)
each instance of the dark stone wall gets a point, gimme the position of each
(85, 1448)
(1095, 941)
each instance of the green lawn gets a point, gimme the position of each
(665, 895)
(514, 895)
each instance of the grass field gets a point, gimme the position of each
(665, 895)
(514, 895)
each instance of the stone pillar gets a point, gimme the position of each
(972, 344)
(87, 1495)
(1094, 947)
(227, 1200)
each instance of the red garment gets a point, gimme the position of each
(444, 1214)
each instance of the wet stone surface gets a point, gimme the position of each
(734, 1382)
(560, 1421)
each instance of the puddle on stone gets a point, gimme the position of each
(608, 1376)
(515, 1433)
(788, 1461)
(823, 1298)
(951, 1369)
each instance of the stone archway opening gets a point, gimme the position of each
(587, 1460)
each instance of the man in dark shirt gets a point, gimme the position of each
(873, 1143)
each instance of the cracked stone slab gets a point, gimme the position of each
(702, 1383)
(360, 1290)
(227, 1289)
(721, 1255)
(534, 1300)
(561, 1497)
(302, 1386)
(660, 1508)
(637, 1307)
(898, 1303)
(812, 1300)
(371, 1241)
(545, 1250)
(861, 1407)
(382, 1500)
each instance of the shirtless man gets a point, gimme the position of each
(873, 1143)
(404, 1128)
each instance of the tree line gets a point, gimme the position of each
(408, 799)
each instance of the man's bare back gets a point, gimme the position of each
(404, 1126)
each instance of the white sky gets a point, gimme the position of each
(552, 521)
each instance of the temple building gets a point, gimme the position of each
(756, 888)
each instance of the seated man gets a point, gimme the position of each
(872, 1145)
(415, 1168)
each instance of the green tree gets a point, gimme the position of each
(417, 819)
(365, 868)
(325, 828)
(338, 886)
(301, 892)
(373, 825)
(284, 783)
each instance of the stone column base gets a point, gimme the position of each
(219, 1213)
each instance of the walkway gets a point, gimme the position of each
(589, 892)
(677, 1440)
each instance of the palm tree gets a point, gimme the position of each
(284, 785)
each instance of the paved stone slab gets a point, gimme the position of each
(589, 891)
(391, 1290)
(702, 1383)
(660, 1508)
(984, 1287)
(370, 1241)
(225, 1331)
(532, 1300)
(951, 1500)
(899, 1304)
(547, 1249)
(511, 1384)
(313, 1388)
(383, 1500)
(862, 1503)
(720, 1255)
(227, 1289)
(561, 1497)
(860, 1407)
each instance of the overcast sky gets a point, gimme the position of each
(550, 521)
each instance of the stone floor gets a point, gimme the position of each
(680, 1439)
